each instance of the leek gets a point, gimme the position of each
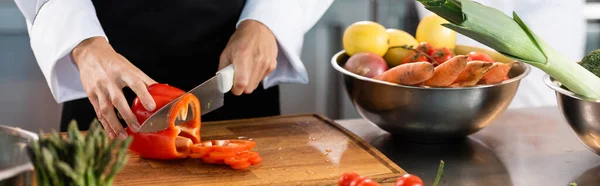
(512, 38)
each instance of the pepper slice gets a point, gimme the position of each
(175, 142)
(236, 153)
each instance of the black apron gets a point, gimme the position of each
(177, 42)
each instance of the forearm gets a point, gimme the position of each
(55, 27)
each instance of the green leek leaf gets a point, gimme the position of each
(514, 39)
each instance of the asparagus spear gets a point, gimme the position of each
(77, 160)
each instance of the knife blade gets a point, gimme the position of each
(211, 94)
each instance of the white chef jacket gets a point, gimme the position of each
(55, 27)
(560, 23)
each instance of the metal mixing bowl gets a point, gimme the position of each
(430, 115)
(15, 167)
(583, 115)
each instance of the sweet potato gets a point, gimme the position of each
(497, 74)
(472, 73)
(408, 74)
(445, 74)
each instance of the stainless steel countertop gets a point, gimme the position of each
(524, 147)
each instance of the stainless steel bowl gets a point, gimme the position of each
(430, 115)
(15, 167)
(583, 115)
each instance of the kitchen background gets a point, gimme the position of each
(26, 102)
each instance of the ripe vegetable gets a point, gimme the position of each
(347, 178)
(409, 180)
(353, 179)
(183, 140)
(366, 64)
(426, 48)
(472, 73)
(408, 74)
(513, 38)
(430, 30)
(591, 62)
(476, 56)
(497, 74)
(441, 55)
(415, 57)
(395, 55)
(365, 36)
(237, 154)
(497, 57)
(175, 141)
(445, 74)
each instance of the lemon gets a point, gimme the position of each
(430, 30)
(394, 56)
(365, 36)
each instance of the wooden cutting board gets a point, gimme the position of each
(297, 150)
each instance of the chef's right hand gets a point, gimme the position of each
(104, 73)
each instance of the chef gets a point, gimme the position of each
(97, 55)
(564, 31)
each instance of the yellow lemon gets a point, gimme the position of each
(365, 36)
(430, 30)
(394, 56)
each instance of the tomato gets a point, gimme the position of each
(347, 178)
(368, 182)
(409, 180)
(353, 179)
(476, 56)
(426, 47)
(441, 55)
(416, 57)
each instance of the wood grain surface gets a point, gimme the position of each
(297, 150)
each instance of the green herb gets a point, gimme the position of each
(440, 173)
(77, 160)
(513, 38)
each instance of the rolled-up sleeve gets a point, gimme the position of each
(55, 27)
(289, 20)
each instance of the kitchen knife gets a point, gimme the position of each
(210, 93)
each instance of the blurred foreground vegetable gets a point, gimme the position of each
(77, 160)
(511, 37)
(592, 62)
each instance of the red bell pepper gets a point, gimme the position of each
(176, 141)
(183, 141)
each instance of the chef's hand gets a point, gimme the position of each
(252, 50)
(104, 73)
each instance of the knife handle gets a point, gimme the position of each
(227, 77)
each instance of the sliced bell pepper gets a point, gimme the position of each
(175, 142)
(184, 141)
(236, 153)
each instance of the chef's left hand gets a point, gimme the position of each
(252, 50)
